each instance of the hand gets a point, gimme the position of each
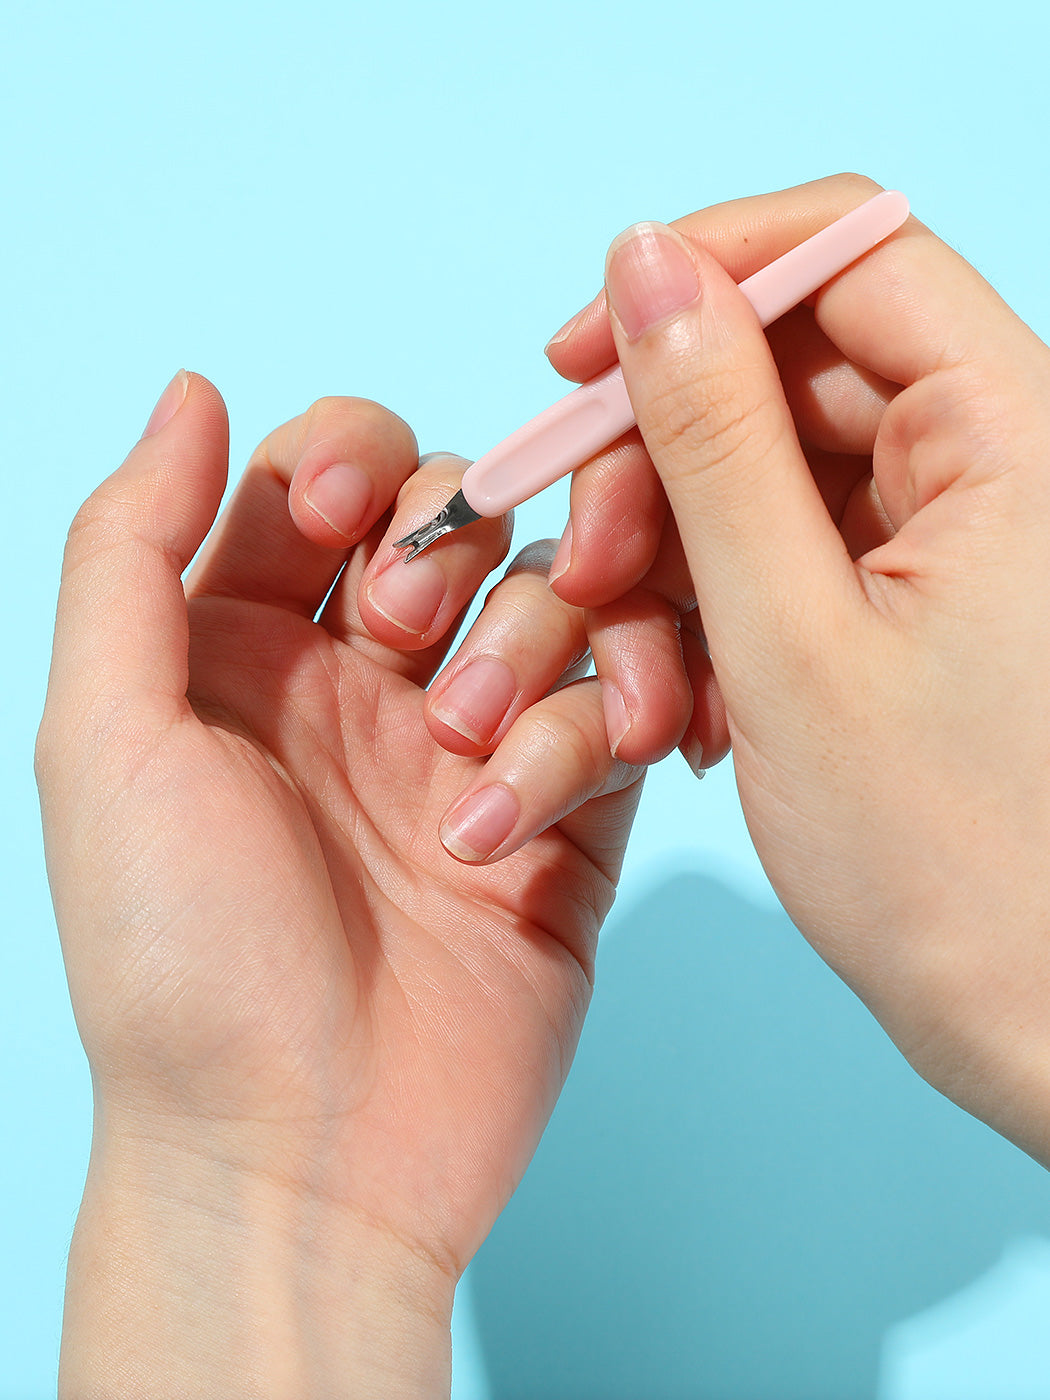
(322, 1050)
(864, 510)
(620, 561)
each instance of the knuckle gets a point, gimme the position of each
(441, 466)
(96, 528)
(946, 418)
(522, 612)
(575, 724)
(336, 414)
(533, 560)
(566, 734)
(331, 408)
(524, 589)
(852, 182)
(705, 426)
(434, 480)
(458, 460)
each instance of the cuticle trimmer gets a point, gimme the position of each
(585, 420)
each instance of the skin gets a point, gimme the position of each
(322, 1050)
(866, 652)
(322, 1059)
(863, 509)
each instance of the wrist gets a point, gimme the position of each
(188, 1276)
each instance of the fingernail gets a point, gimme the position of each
(409, 595)
(480, 823)
(477, 698)
(168, 404)
(340, 496)
(562, 555)
(570, 325)
(617, 719)
(649, 276)
(693, 753)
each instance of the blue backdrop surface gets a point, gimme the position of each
(744, 1194)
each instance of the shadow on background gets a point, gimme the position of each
(744, 1185)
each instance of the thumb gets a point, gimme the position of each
(766, 558)
(121, 634)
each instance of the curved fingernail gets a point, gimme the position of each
(447, 456)
(480, 822)
(649, 276)
(409, 595)
(617, 717)
(340, 495)
(476, 699)
(562, 556)
(693, 753)
(572, 323)
(168, 404)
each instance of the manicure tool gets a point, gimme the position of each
(576, 427)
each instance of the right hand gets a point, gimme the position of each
(864, 504)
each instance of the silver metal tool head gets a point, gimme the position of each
(455, 514)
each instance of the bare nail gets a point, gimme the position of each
(480, 823)
(617, 717)
(693, 753)
(562, 556)
(409, 595)
(168, 404)
(340, 495)
(477, 698)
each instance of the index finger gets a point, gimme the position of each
(914, 306)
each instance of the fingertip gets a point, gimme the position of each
(706, 740)
(467, 707)
(207, 404)
(562, 561)
(480, 822)
(187, 393)
(644, 732)
(452, 740)
(692, 750)
(618, 511)
(331, 503)
(584, 346)
(171, 482)
(169, 403)
(646, 696)
(347, 461)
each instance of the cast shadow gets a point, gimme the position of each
(743, 1186)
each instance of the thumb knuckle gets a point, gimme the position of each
(94, 529)
(705, 425)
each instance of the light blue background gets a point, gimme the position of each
(745, 1194)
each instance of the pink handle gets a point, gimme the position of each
(571, 431)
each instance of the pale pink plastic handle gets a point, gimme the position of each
(571, 431)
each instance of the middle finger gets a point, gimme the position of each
(408, 611)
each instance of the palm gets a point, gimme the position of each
(343, 970)
(270, 953)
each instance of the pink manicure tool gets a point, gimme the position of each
(571, 431)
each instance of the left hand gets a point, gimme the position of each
(275, 967)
